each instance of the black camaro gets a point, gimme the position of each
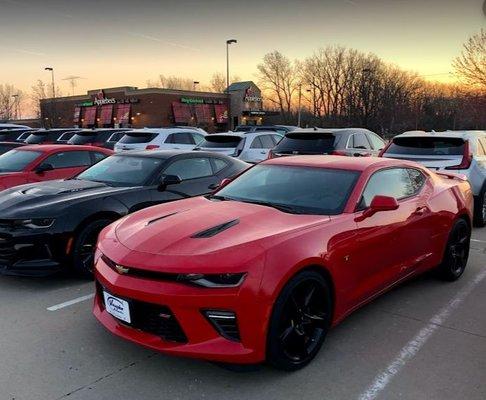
(47, 226)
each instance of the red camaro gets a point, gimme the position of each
(36, 163)
(263, 268)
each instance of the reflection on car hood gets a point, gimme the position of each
(201, 226)
(50, 197)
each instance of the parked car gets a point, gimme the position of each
(354, 142)
(11, 135)
(30, 164)
(7, 146)
(95, 137)
(250, 147)
(178, 138)
(51, 226)
(13, 126)
(47, 136)
(261, 269)
(461, 152)
(282, 129)
(66, 136)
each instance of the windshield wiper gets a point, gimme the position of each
(281, 207)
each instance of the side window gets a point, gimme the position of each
(98, 156)
(170, 138)
(183, 138)
(190, 168)
(417, 179)
(481, 147)
(256, 144)
(394, 182)
(276, 138)
(267, 141)
(197, 137)
(359, 141)
(376, 142)
(219, 164)
(69, 159)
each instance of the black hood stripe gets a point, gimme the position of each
(207, 233)
(164, 216)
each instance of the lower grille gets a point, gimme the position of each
(152, 318)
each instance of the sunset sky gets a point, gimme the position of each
(115, 43)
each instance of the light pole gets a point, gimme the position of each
(228, 43)
(16, 105)
(300, 100)
(195, 83)
(53, 117)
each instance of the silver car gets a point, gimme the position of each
(461, 152)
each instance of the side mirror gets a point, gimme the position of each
(224, 182)
(378, 204)
(169, 180)
(44, 168)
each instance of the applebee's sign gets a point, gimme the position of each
(250, 96)
(101, 100)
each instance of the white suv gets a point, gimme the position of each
(183, 138)
(250, 147)
(461, 152)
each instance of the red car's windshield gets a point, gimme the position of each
(301, 190)
(17, 160)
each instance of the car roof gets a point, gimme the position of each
(339, 162)
(448, 134)
(167, 153)
(47, 148)
(329, 130)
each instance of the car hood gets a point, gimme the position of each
(201, 226)
(51, 197)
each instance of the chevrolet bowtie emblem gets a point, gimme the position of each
(121, 270)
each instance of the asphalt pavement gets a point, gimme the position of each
(424, 340)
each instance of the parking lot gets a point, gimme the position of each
(424, 340)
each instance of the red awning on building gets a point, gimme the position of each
(182, 112)
(106, 114)
(123, 113)
(204, 113)
(221, 111)
(89, 116)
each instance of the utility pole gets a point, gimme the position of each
(228, 43)
(53, 117)
(300, 108)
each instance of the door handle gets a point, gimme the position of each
(263, 152)
(420, 210)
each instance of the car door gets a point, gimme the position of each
(65, 165)
(358, 145)
(196, 173)
(387, 241)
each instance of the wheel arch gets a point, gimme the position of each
(111, 215)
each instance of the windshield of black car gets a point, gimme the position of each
(17, 160)
(427, 146)
(122, 170)
(36, 138)
(307, 143)
(66, 136)
(83, 138)
(220, 142)
(307, 190)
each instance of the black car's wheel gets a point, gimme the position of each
(300, 321)
(85, 246)
(480, 209)
(456, 252)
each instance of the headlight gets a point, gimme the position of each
(35, 223)
(213, 280)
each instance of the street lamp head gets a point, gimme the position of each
(196, 82)
(48, 69)
(231, 41)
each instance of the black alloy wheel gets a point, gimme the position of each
(300, 321)
(456, 252)
(85, 247)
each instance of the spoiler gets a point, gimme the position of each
(452, 175)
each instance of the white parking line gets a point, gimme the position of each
(70, 302)
(411, 349)
(477, 240)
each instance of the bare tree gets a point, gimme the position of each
(10, 101)
(218, 82)
(279, 80)
(471, 64)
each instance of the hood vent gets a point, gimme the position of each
(207, 233)
(159, 218)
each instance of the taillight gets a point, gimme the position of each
(338, 153)
(152, 147)
(467, 158)
(384, 149)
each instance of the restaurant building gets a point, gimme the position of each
(154, 107)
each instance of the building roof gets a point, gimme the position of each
(239, 86)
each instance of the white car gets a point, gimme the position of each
(462, 152)
(179, 138)
(250, 147)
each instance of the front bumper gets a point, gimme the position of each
(31, 253)
(186, 304)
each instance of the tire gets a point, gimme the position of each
(480, 209)
(456, 253)
(300, 321)
(84, 247)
